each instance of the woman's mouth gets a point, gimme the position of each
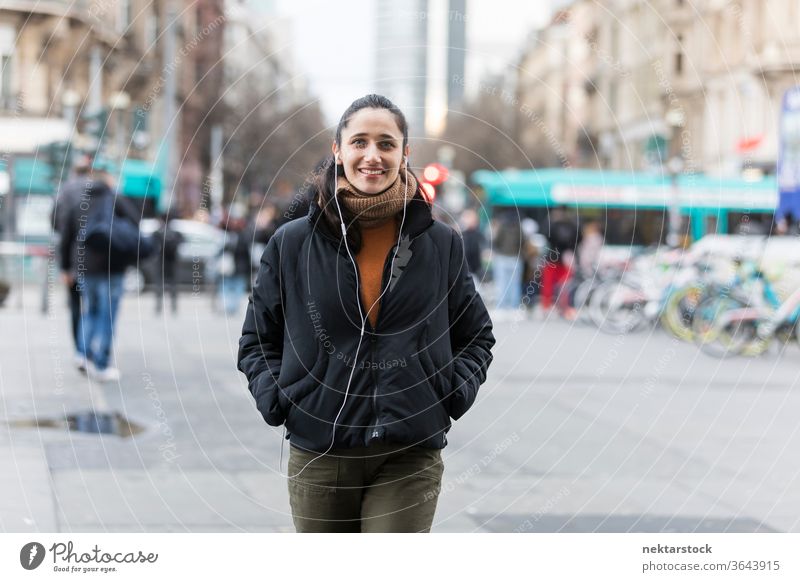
(372, 172)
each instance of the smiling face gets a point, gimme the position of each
(371, 151)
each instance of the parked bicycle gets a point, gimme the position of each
(742, 318)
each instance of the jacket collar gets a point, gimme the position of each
(419, 218)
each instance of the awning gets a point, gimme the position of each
(31, 176)
(137, 179)
(748, 144)
(616, 189)
(140, 180)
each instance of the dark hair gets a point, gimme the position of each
(326, 176)
(373, 101)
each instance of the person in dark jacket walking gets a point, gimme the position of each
(365, 336)
(474, 242)
(234, 280)
(507, 265)
(69, 197)
(169, 241)
(97, 274)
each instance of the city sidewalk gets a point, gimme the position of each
(573, 431)
(203, 460)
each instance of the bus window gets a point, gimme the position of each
(756, 223)
(639, 227)
(711, 224)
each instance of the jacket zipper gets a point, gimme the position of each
(370, 331)
(376, 432)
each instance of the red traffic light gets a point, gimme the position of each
(434, 174)
(428, 191)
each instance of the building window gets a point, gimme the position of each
(679, 56)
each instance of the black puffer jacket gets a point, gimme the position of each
(420, 366)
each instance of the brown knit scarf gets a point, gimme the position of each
(373, 209)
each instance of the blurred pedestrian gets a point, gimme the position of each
(169, 241)
(100, 240)
(589, 249)
(365, 336)
(562, 241)
(530, 260)
(67, 199)
(236, 270)
(474, 242)
(259, 231)
(507, 245)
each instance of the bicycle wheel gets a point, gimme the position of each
(746, 340)
(679, 310)
(582, 298)
(717, 336)
(618, 308)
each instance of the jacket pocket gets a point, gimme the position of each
(295, 392)
(439, 378)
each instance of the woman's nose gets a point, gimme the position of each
(372, 153)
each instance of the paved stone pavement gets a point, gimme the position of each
(574, 431)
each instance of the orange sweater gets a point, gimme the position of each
(376, 243)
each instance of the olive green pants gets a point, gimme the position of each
(381, 488)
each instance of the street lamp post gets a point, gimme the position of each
(675, 120)
(120, 102)
(7, 209)
(70, 100)
(167, 159)
(452, 195)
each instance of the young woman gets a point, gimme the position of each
(364, 336)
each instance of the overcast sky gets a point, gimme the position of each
(334, 42)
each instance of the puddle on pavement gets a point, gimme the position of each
(87, 422)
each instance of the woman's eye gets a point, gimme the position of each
(387, 145)
(359, 142)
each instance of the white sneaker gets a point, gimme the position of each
(518, 315)
(501, 315)
(108, 374)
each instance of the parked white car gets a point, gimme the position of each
(198, 254)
